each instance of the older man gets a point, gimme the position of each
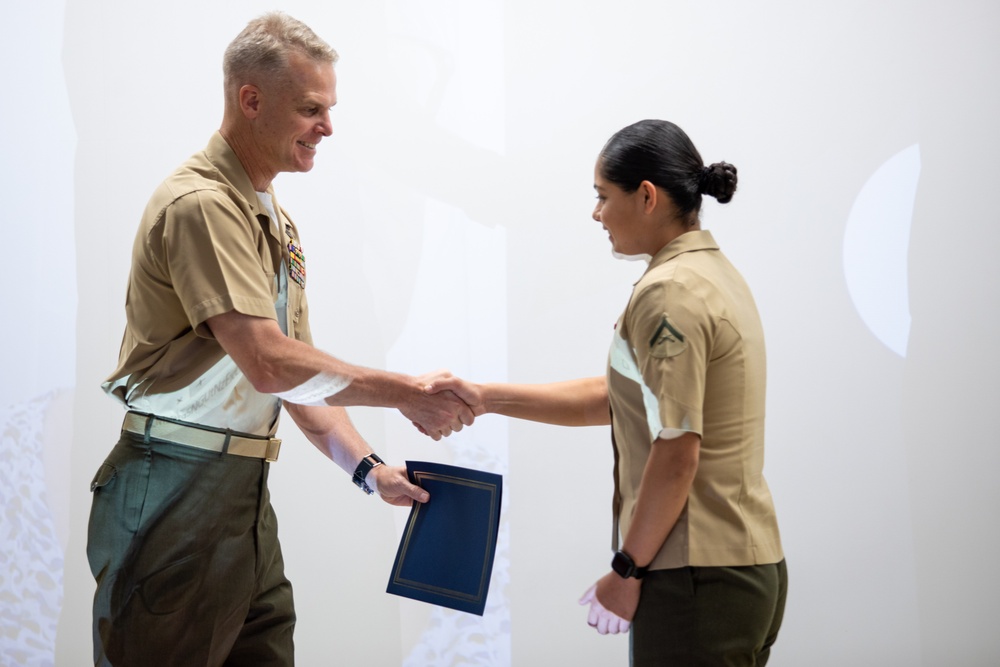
(183, 541)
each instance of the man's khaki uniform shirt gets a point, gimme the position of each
(205, 246)
(688, 355)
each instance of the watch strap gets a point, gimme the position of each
(364, 467)
(625, 566)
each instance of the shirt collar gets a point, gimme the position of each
(699, 239)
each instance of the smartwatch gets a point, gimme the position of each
(625, 567)
(365, 467)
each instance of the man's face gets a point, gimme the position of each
(294, 115)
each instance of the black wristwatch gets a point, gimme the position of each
(625, 567)
(365, 467)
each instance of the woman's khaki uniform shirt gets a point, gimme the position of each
(688, 355)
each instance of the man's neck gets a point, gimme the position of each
(243, 144)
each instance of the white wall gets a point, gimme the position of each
(447, 223)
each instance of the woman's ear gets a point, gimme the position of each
(650, 195)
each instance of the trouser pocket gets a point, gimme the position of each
(118, 494)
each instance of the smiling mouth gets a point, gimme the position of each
(307, 144)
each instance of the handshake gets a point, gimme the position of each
(442, 404)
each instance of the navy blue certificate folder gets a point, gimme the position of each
(445, 555)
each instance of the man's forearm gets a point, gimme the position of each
(332, 432)
(299, 373)
(277, 364)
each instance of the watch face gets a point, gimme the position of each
(623, 564)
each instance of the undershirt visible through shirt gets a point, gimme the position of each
(222, 396)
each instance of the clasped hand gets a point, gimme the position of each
(438, 412)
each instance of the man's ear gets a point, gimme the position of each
(250, 101)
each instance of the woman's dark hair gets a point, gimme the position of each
(660, 152)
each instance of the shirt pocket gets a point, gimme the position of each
(294, 304)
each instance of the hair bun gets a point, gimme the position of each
(718, 180)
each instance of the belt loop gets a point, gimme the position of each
(271, 450)
(225, 444)
(149, 425)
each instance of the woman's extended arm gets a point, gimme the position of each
(582, 402)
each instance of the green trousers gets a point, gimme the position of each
(183, 544)
(709, 616)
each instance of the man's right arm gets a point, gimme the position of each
(277, 364)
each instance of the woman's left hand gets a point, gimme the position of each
(613, 602)
(599, 618)
(621, 596)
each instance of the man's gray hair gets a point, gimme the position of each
(263, 47)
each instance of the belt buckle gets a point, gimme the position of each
(273, 446)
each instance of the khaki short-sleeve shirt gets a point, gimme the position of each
(688, 355)
(205, 246)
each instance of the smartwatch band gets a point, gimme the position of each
(365, 467)
(625, 567)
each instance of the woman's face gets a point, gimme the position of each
(620, 214)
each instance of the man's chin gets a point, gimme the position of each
(302, 166)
